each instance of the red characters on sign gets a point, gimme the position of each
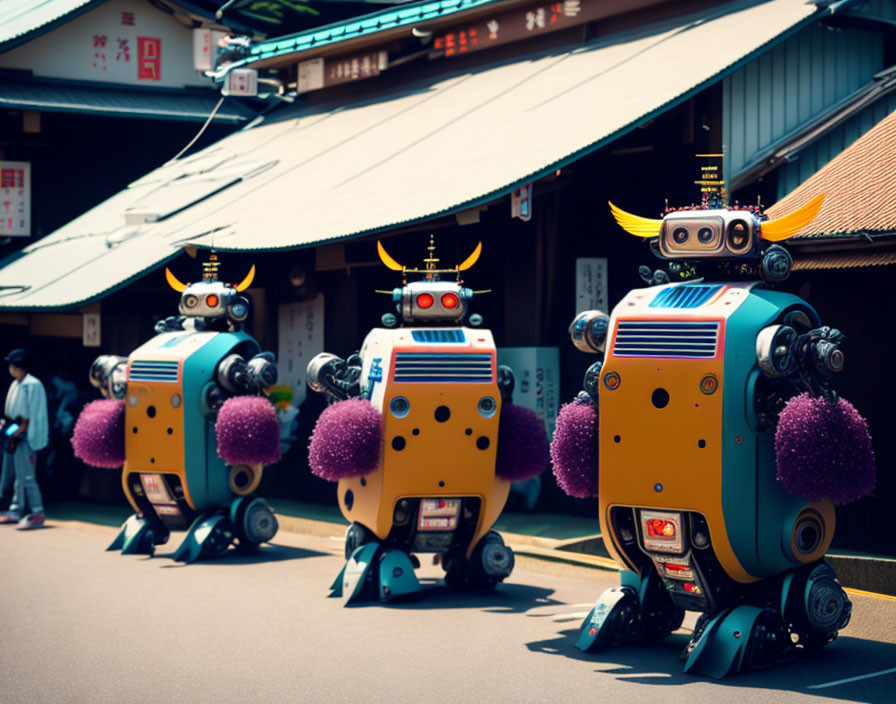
(149, 58)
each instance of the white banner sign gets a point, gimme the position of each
(301, 332)
(591, 285)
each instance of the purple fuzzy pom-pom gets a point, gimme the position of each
(248, 431)
(98, 437)
(574, 449)
(522, 444)
(347, 440)
(824, 450)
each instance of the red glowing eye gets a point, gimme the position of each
(211, 300)
(449, 300)
(425, 300)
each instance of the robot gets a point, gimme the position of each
(718, 441)
(423, 441)
(193, 388)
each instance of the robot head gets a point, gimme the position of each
(210, 298)
(431, 301)
(716, 233)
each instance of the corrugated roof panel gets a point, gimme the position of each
(20, 18)
(443, 144)
(110, 100)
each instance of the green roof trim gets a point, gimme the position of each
(358, 27)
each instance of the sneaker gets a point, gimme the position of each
(9, 518)
(33, 520)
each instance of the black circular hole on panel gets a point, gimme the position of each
(701, 443)
(443, 413)
(151, 411)
(363, 481)
(441, 483)
(469, 431)
(660, 397)
(349, 499)
(415, 431)
(482, 442)
(617, 438)
(152, 460)
(398, 443)
(170, 431)
(134, 430)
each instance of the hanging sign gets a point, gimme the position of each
(15, 199)
(521, 203)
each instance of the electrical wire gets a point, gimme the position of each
(198, 134)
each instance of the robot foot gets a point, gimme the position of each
(490, 562)
(814, 606)
(138, 536)
(209, 536)
(739, 639)
(253, 522)
(374, 571)
(637, 611)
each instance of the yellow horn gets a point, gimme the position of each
(472, 259)
(387, 260)
(635, 224)
(247, 282)
(788, 225)
(173, 282)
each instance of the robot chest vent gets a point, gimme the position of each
(166, 371)
(442, 368)
(669, 338)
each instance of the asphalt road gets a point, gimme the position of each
(82, 625)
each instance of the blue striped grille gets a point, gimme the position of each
(670, 338)
(432, 368)
(438, 336)
(684, 296)
(153, 371)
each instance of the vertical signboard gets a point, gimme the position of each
(15, 199)
(91, 329)
(149, 58)
(301, 336)
(591, 285)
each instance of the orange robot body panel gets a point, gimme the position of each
(660, 432)
(437, 442)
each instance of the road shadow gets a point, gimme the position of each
(504, 599)
(264, 553)
(817, 674)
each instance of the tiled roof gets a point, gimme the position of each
(859, 186)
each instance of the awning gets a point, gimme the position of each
(845, 260)
(435, 147)
(112, 101)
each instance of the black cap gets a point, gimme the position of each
(18, 356)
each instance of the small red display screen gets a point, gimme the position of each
(659, 528)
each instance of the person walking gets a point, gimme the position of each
(25, 430)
